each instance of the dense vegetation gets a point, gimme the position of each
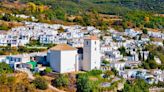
(60, 81)
(33, 46)
(40, 83)
(83, 83)
(155, 51)
(138, 85)
(5, 68)
(13, 82)
(21, 49)
(135, 13)
(19, 83)
(104, 6)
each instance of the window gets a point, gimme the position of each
(95, 49)
(95, 42)
(87, 42)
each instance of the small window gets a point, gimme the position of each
(95, 49)
(87, 43)
(95, 42)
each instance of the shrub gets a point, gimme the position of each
(60, 81)
(95, 72)
(83, 83)
(5, 68)
(105, 62)
(115, 71)
(108, 73)
(138, 85)
(144, 31)
(48, 70)
(40, 83)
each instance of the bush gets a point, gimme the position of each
(108, 73)
(138, 85)
(95, 72)
(144, 31)
(5, 68)
(60, 81)
(115, 71)
(84, 84)
(153, 64)
(122, 51)
(48, 70)
(127, 67)
(145, 65)
(160, 84)
(161, 67)
(40, 83)
(105, 62)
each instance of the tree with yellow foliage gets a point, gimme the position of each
(147, 19)
(40, 8)
(32, 7)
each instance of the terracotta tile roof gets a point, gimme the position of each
(63, 47)
(92, 38)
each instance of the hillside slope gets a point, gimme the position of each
(133, 13)
(104, 6)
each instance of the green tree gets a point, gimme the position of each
(115, 71)
(139, 56)
(6, 17)
(60, 81)
(51, 15)
(5, 68)
(22, 49)
(86, 19)
(139, 85)
(150, 56)
(145, 65)
(94, 72)
(144, 31)
(83, 83)
(122, 51)
(153, 64)
(161, 67)
(127, 87)
(60, 13)
(160, 84)
(40, 83)
(142, 85)
(105, 62)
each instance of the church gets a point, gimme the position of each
(64, 58)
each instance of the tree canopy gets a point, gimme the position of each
(5, 68)
(40, 83)
(83, 83)
(60, 81)
(138, 85)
